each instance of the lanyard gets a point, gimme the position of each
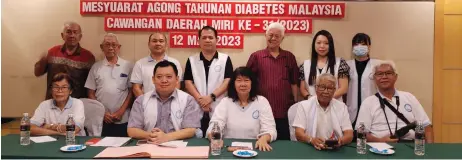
(386, 118)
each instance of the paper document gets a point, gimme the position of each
(242, 144)
(112, 141)
(174, 144)
(42, 139)
(154, 151)
(379, 145)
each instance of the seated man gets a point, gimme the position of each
(51, 115)
(376, 111)
(166, 113)
(322, 118)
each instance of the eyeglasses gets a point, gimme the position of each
(271, 36)
(324, 87)
(70, 32)
(387, 74)
(57, 88)
(113, 45)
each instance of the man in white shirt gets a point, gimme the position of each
(379, 119)
(142, 71)
(108, 82)
(322, 117)
(207, 74)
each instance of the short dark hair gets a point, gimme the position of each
(150, 36)
(245, 72)
(361, 38)
(165, 63)
(60, 76)
(208, 28)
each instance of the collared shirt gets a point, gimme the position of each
(275, 78)
(76, 65)
(112, 84)
(48, 113)
(191, 117)
(144, 70)
(324, 122)
(228, 68)
(374, 119)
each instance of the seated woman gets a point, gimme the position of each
(51, 115)
(322, 117)
(244, 114)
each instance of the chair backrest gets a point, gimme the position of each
(94, 115)
(291, 115)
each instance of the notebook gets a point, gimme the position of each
(154, 151)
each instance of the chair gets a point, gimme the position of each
(291, 115)
(94, 115)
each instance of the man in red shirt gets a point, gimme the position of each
(277, 72)
(68, 58)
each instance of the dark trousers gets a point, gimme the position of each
(282, 127)
(114, 130)
(205, 124)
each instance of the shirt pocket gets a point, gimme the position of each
(122, 82)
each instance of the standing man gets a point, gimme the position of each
(142, 71)
(207, 74)
(278, 72)
(108, 83)
(68, 58)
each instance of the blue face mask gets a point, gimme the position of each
(360, 50)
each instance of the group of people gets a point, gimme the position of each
(324, 98)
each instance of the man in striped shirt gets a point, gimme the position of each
(277, 72)
(68, 58)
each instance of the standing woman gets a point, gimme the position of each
(361, 86)
(323, 60)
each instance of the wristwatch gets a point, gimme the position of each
(214, 97)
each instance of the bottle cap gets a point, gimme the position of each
(25, 114)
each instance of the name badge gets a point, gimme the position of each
(123, 75)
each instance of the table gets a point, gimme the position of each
(281, 150)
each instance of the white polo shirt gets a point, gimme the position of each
(144, 69)
(374, 118)
(111, 84)
(248, 122)
(48, 113)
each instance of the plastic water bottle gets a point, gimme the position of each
(216, 141)
(419, 141)
(361, 140)
(25, 130)
(70, 130)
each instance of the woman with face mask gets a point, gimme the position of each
(361, 85)
(323, 60)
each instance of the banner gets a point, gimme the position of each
(212, 8)
(191, 40)
(222, 25)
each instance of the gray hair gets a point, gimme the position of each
(326, 76)
(385, 63)
(276, 25)
(71, 23)
(110, 35)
